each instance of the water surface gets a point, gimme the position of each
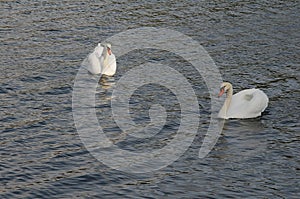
(42, 47)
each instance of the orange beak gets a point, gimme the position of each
(222, 90)
(109, 51)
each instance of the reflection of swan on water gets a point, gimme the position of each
(102, 60)
(242, 139)
(107, 82)
(105, 88)
(247, 103)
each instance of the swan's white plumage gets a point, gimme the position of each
(99, 61)
(249, 103)
(111, 68)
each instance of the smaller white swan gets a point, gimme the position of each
(249, 103)
(102, 60)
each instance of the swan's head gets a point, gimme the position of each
(108, 46)
(225, 86)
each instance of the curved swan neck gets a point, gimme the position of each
(228, 98)
(105, 60)
(225, 87)
(223, 111)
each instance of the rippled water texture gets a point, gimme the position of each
(42, 46)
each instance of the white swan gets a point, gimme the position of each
(247, 103)
(102, 60)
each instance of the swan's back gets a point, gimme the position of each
(248, 103)
(94, 60)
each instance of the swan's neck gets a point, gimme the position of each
(223, 112)
(228, 98)
(105, 60)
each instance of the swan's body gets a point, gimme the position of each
(101, 61)
(249, 103)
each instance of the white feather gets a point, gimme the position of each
(249, 103)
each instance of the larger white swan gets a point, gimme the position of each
(102, 60)
(249, 103)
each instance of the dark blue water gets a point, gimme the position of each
(42, 47)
